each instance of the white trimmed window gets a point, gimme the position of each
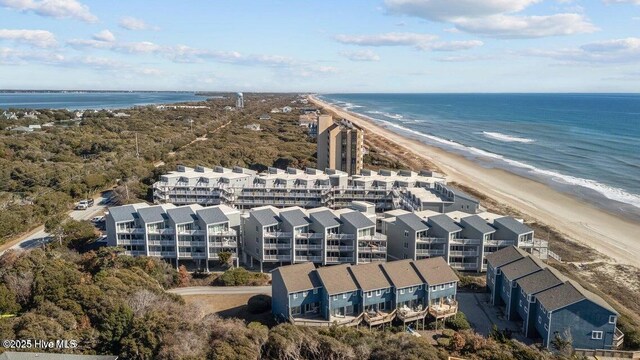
(369, 293)
(520, 303)
(406, 233)
(378, 292)
(526, 309)
(315, 291)
(304, 294)
(401, 291)
(295, 296)
(434, 288)
(452, 285)
(546, 327)
(442, 287)
(596, 335)
(612, 319)
(344, 296)
(412, 289)
(540, 319)
(335, 297)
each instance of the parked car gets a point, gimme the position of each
(84, 204)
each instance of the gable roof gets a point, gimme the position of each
(413, 221)
(560, 296)
(122, 213)
(212, 215)
(540, 281)
(357, 219)
(152, 214)
(181, 215)
(294, 217)
(445, 222)
(522, 267)
(512, 224)
(299, 277)
(435, 271)
(478, 224)
(370, 276)
(593, 297)
(505, 256)
(337, 279)
(265, 217)
(325, 218)
(402, 274)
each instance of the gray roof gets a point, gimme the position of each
(435, 271)
(370, 276)
(152, 214)
(458, 192)
(325, 218)
(540, 281)
(265, 217)
(122, 213)
(522, 267)
(512, 224)
(413, 221)
(181, 215)
(445, 222)
(593, 297)
(212, 215)
(505, 256)
(477, 223)
(49, 356)
(299, 277)
(294, 217)
(559, 296)
(402, 274)
(357, 219)
(337, 279)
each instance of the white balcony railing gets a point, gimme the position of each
(277, 246)
(278, 257)
(277, 234)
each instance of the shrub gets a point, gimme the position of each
(448, 333)
(458, 322)
(259, 304)
(444, 341)
(242, 277)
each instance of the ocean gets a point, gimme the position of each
(91, 100)
(584, 144)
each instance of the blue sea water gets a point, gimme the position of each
(91, 100)
(587, 144)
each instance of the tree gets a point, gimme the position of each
(563, 342)
(184, 278)
(8, 302)
(54, 226)
(225, 258)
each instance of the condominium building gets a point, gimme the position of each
(175, 233)
(374, 294)
(245, 189)
(548, 304)
(340, 145)
(463, 239)
(321, 236)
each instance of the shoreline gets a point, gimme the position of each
(578, 220)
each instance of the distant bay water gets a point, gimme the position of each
(91, 100)
(585, 144)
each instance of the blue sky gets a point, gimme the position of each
(322, 46)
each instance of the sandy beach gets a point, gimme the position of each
(579, 221)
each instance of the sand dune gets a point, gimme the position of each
(609, 234)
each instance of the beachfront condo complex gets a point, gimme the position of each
(340, 145)
(242, 188)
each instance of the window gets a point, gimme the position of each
(412, 289)
(335, 297)
(315, 291)
(596, 335)
(369, 294)
(295, 296)
(544, 311)
(546, 327)
(406, 233)
(295, 310)
(540, 319)
(344, 296)
(304, 294)
(451, 285)
(401, 291)
(526, 309)
(612, 319)
(378, 292)
(442, 286)
(419, 287)
(406, 245)
(434, 288)
(257, 228)
(381, 307)
(520, 303)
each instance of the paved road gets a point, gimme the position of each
(39, 236)
(222, 290)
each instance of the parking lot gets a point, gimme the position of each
(482, 315)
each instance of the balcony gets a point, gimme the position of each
(161, 231)
(278, 234)
(130, 230)
(223, 244)
(375, 237)
(430, 252)
(499, 243)
(618, 338)
(466, 241)
(308, 258)
(162, 242)
(372, 249)
(191, 243)
(277, 257)
(309, 236)
(171, 254)
(214, 255)
(317, 320)
(440, 311)
(339, 260)
(463, 253)
(131, 242)
(340, 248)
(192, 255)
(373, 318)
(464, 266)
(135, 253)
(308, 246)
(406, 314)
(229, 232)
(191, 232)
(431, 240)
(331, 236)
(277, 246)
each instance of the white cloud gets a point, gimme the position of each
(388, 39)
(455, 45)
(38, 38)
(615, 51)
(104, 35)
(636, 2)
(10, 56)
(59, 9)
(465, 58)
(131, 23)
(365, 55)
(506, 26)
(444, 10)
(495, 18)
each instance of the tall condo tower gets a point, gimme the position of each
(340, 145)
(240, 101)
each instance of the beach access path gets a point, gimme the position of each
(611, 235)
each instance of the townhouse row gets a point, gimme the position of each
(549, 305)
(245, 189)
(373, 294)
(270, 236)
